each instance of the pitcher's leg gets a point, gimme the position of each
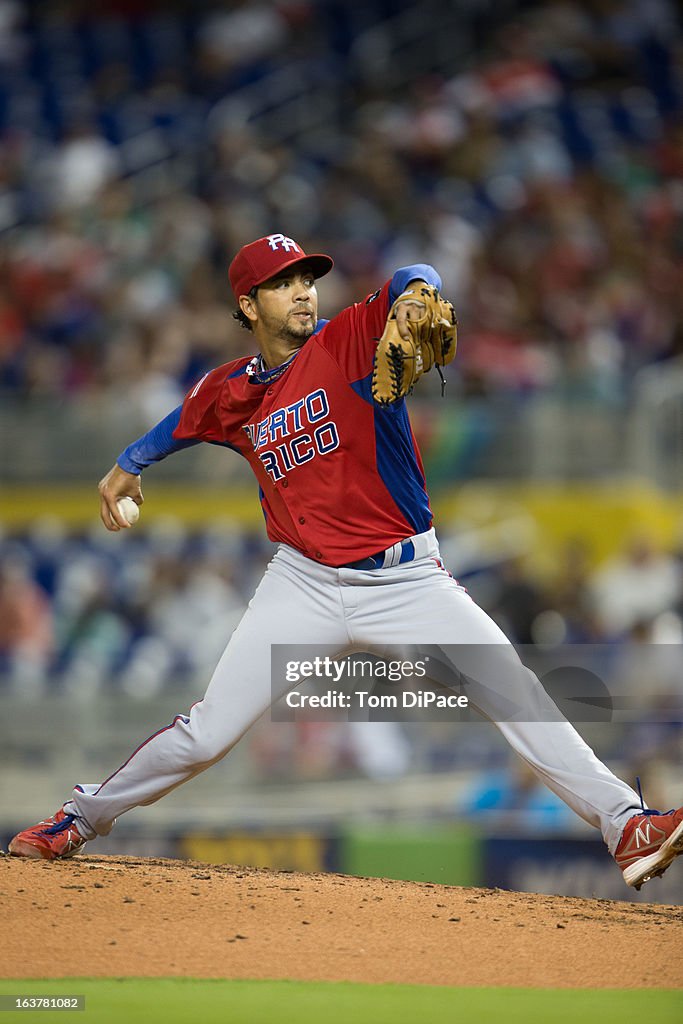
(568, 766)
(511, 696)
(434, 610)
(281, 611)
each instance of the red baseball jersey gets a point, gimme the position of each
(340, 477)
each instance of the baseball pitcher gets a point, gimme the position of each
(319, 413)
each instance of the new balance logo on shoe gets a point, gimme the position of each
(649, 844)
(643, 835)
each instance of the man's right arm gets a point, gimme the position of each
(123, 479)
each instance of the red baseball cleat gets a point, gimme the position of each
(52, 839)
(649, 843)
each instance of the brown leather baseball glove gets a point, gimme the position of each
(421, 332)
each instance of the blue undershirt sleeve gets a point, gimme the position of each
(415, 272)
(155, 445)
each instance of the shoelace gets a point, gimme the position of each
(647, 810)
(60, 826)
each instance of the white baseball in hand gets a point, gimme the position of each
(128, 509)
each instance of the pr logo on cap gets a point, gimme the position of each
(267, 257)
(275, 241)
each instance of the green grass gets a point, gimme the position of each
(184, 1001)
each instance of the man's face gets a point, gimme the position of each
(287, 306)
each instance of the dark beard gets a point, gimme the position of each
(293, 332)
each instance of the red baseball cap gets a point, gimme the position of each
(266, 257)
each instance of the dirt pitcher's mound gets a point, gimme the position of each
(126, 916)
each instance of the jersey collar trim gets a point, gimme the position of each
(258, 373)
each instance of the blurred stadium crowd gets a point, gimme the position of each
(533, 152)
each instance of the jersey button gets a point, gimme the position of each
(269, 391)
(302, 519)
(318, 554)
(285, 483)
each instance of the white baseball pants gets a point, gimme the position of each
(301, 602)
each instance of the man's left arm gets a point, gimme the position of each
(420, 332)
(351, 336)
